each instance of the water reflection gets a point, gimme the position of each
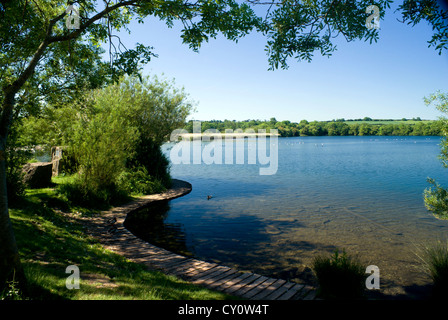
(149, 224)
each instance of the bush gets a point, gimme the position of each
(436, 200)
(114, 139)
(149, 155)
(68, 164)
(83, 193)
(139, 182)
(435, 259)
(339, 276)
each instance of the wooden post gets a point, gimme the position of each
(56, 155)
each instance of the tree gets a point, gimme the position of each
(436, 197)
(40, 56)
(39, 51)
(364, 130)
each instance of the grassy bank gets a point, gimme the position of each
(50, 238)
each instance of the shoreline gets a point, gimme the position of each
(111, 233)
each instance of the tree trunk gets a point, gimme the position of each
(10, 266)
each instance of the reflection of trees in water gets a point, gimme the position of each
(149, 224)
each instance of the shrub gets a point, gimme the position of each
(435, 259)
(436, 200)
(149, 155)
(82, 193)
(339, 276)
(68, 164)
(114, 139)
(138, 182)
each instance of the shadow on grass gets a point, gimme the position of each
(50, 240)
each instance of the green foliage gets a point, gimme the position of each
(340, 276)
(68, 164)
(139, 182)
(436, 197)
(154, 106)
(114, 137)
(101, 144)
(357, 127)
(435, 259)
(436, 200)
(431, 11)
(12, 291)
(149, 155)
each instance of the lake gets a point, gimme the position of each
(361, 194)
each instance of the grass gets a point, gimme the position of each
(339, 276)
(50, 239)
(435, 261)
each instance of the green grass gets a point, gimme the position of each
(50, 238)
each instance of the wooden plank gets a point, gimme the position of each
(168, 261)
(234, 281)
(227, 281)
(146, 253)
(269, 290)
(310, 295)
(193, 269)
(218, 276)
(173, 262)
(119, 239)
(291, 292)
(156, 259)
(277, 293)
(217, 280)
(135, 251)
(206, 267)
(215, 272)
(180, 269)
(242, 283)
(205, 273)
(261, 287)
(250, 286)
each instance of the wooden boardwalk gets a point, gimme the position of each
(109, 230)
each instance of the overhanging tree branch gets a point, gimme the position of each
(11, 90)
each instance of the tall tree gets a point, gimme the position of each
(44, 45)
(436, 196)
(41, 53)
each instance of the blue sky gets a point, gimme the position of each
(228, 80)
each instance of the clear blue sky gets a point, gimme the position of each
(228, 80)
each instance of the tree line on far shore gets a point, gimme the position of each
(339, 127)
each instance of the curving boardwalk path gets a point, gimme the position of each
(110, 231)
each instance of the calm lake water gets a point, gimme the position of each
(364, 194)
